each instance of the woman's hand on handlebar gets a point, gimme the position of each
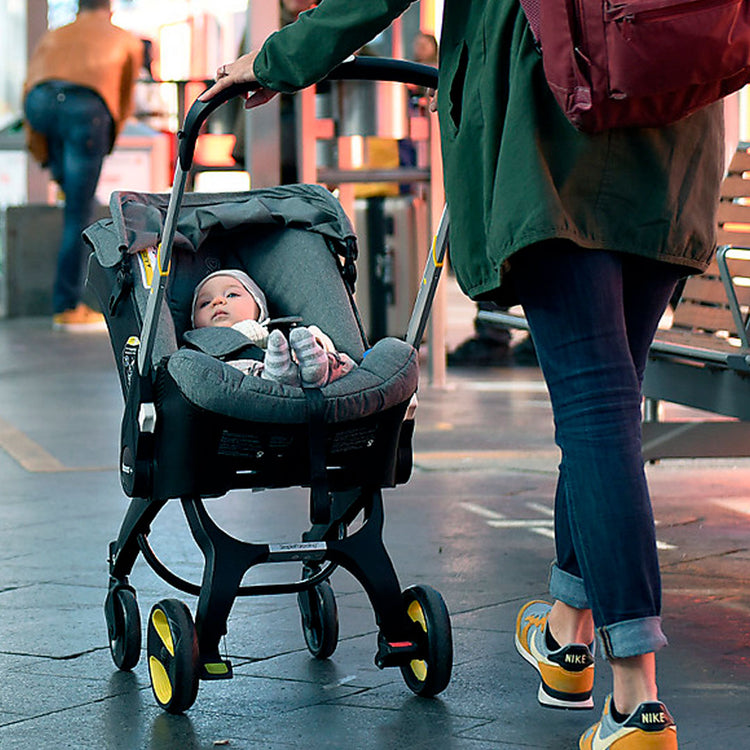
(240, 71)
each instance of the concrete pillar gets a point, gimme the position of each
(37, 179)
(262, 124)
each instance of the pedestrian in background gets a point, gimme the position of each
(77, 95)
(590, 233)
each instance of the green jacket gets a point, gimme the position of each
(516, 172)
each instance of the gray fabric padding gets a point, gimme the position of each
(387, 376)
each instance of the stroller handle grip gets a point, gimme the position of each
(357, 69)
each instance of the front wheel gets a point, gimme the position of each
(430, 673)
(123, 627)
(320, 619)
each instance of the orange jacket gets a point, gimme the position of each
(93, 53)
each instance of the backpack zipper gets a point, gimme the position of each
(660, 10)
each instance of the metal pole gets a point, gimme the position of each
(262, 131)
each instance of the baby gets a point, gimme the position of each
(230, 298)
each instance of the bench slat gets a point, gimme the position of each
(690, 365)
(733, 236)
(735, 186)
(740, 161)
(738, 267)
(702, 317)
(711, 289)
(734, 212)
(701, 289)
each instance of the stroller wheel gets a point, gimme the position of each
(172, 648)
(320, 619)
(124, 627)
(431, 674)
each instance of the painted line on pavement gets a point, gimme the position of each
(541, 526)
(507, 386)
(737, 504)
(31, 456)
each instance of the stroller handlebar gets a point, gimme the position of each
(357, 69)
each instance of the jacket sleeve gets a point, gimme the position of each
(308, 49)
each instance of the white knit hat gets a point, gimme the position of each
(246, 281)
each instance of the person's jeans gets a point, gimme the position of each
(593, 315)
(78, 127)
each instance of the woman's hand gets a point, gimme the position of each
(240, 71)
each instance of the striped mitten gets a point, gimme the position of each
(313, 361)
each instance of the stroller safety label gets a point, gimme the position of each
(297, 551)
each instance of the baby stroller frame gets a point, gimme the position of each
(414, 625)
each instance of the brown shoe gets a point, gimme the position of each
(79, 320)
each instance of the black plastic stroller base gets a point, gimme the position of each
(227, 560)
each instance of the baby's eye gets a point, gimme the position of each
(202, 304)
(232, 294)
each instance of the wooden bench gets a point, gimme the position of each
(703, 360)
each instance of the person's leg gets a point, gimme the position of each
(85, 126)
(41, 110)
(576, 305)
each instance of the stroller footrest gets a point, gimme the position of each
(216, 669)
(395, 653)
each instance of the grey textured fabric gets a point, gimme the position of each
(387, 376)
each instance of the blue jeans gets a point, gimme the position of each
(79, 130)
(593, 315)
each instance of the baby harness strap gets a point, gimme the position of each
(320, 508)
(220, 342)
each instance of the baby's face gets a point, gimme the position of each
(223, 301)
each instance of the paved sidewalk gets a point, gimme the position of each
(474, 521)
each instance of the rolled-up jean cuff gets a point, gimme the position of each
(632, 637)
(567, 588)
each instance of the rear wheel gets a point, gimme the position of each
(430, 673)
(172, 648)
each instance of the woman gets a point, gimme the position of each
(590, 234)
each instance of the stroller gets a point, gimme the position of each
(195, 428)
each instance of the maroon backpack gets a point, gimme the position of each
(621, 63)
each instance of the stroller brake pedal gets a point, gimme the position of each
(220, 669)
(394, 653)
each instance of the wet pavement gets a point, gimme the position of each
(474, 521)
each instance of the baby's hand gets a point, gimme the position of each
(257, 333)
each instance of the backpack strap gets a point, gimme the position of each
(533, 12)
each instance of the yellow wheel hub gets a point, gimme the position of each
(160, 681)
(416, 614)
